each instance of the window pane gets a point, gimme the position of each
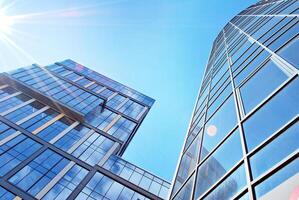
(185, 193)
(281, 147)
(102, 187)
(249, 66)
(6, 195)
(258, 87)
(290, 52)
(230, 186)
(219, 125)
(218, 163)
(15, 152)
(282, 185)
(187, 164)
(245, 197)
(278, 111)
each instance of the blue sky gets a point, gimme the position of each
(158, 47)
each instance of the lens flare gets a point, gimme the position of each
(212, 130)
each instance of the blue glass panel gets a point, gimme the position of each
(102, 187)
(290, 52)
(15, 151)
(230, 186)
(219, 125)
(281, 185)
(6, 195)
(273, 115)
(274, 152)
(218, 163)
(188, 163)
(186, 191)
(258, 87)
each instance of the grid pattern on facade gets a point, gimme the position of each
(60, 90)
(109, 82)
(127, 106)
(137, 176)
(46, 154)
(112, 111)
(246, 111)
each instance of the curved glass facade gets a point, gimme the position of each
(241, 142)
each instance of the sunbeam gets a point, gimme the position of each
(13, 23)
(6, 22)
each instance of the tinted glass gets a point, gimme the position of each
(230, 186)
(281, 147)
(258, 87)
(218, 163)
(279, 110)
(188, 163)
(186, 192)
(282, 185)
(290, 52)
(219, 125)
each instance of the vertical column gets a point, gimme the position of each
(239, 117)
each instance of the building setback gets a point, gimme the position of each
(242, 141)
(63, 129)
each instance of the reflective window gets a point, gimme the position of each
(102, 187)
(122, 129)
(218, 163)
(258, 87)
(290, 52)
(54, 129)
(72, 137)
(137, 176)
(16, 151)
(108, 82)
(186, 191)
(230, 186)
(249, 66)
(6, 195)
(281, 147)
(93, 149)
(58, 89)
(245, 197)
(194, 132)
(219, 73)
(273, 115)
(7, 91)
(37, 175)
(116, 101)
(5, 131)
(188, 163)
(281, 185)
(220, 124)
(64, 187)
(220, 99)
(24, 111)
(106, 93)
(12, 102)
(284, 34)
(132, 109)
(38, 120)
(100, 118)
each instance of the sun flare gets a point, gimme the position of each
(6, 22)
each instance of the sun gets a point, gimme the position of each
(6, 22)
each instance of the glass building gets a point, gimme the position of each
(242, 141)
(63, 130)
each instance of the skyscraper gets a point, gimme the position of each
(242, 141)
(63, 128)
